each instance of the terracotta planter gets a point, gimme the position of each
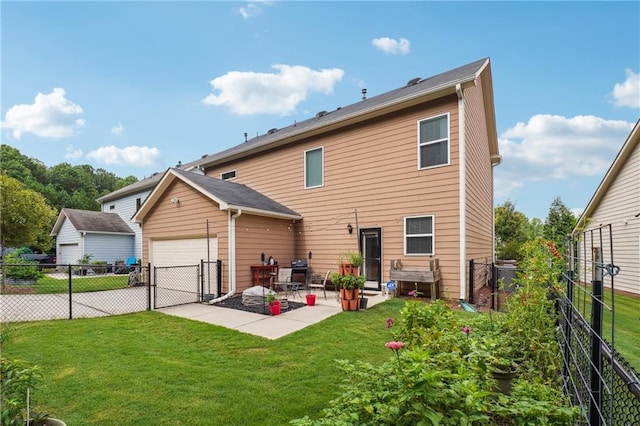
(354, 304)
(342, 293)
(345, 304)
(349, 294)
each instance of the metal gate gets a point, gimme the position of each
(176, 285)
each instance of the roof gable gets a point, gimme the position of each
(92, 222)
(614, 170)
(228, 195)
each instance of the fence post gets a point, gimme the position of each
(202, 279)
(471, 279)
(70, 292)
(492, 286)
(148, 286)
(569, 309)
(595, 405)
(219, 277)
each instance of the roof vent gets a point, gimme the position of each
(321, 114)
(413, 82)
(272, 131)
(205, 156)
(364, 94)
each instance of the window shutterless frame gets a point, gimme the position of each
(419, 235)
(314, 168)
(434, 142)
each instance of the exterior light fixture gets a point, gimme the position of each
(175, 200)
(350, 228)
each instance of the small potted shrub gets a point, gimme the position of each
(274, 303)
(356, 260)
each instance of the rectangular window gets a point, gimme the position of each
(138, 203)
(228, 175)
(433, 142)
(112, 206)
(418, 235)
(314, 168)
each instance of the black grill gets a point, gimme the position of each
(299, 268)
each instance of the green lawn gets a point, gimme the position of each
(47, 285)
(151, 368)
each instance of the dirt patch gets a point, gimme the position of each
(18, 289)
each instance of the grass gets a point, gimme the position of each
(624, 335)
(151, 368)
(48, 285)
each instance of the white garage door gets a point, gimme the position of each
(183, 252)
(68, 254)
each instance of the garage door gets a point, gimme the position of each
(182, 252)
(68, 254)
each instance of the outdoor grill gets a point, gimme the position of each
(299, 267)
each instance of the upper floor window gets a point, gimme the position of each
(433, 142)
(314, 168)
(418, 235)
(138, 203)
(231, 174)
(112, 206)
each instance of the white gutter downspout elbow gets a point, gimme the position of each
(462, 196)
(232, 257)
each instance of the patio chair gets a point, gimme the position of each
(283, 282)
(318, 282)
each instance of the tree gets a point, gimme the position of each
(559, 223)
(511, 231)
(25, 217)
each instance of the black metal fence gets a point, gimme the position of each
(43, 292)
(596, 377)
(491, 281)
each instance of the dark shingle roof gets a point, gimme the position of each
(420, 87)
(91, 221)
(234, 194)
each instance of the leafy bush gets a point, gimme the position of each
(441, 369)
(18, 268)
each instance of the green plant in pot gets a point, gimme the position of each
(356, 259)
(16, 380)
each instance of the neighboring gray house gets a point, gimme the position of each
(104, 236)
(616, 202)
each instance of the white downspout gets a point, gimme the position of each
(232, 257)
(462, 200)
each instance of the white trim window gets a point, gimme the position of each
(419, 235)
(231, 174)
(433, 142)
(314, 168)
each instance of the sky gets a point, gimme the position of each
(136, 87)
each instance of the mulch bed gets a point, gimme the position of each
(236, 303)
(19, 289)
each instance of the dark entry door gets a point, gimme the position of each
(371, 243)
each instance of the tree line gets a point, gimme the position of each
(32, 195)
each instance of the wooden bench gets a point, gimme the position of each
(427, 275)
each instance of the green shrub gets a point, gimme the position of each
(15, 378)
(18, 268)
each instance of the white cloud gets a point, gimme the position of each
(118, 129)
(392, 46)
(278, 93)
(50, 116)
(552, 147)
(252, 8)
(627, 94)
(142, 156)
(71, 153)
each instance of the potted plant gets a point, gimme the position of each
(336, 281)
(274, 303)
(17, 381)
(356, 260)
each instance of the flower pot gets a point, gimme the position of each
(345, 304)
(311, 299)
(49, 421)
(354, 304)
(363, 303)
(284, 304)
(348, 294)
(342, 293)
(274, 307)
(504, 381)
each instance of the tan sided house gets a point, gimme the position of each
(406, 175)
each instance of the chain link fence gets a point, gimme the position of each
(31, 292)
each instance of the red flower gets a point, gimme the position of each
(390, 322)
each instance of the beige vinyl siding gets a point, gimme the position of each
(371, 167)
(621, 203)
(479, 179)
(256, 235)
(187, 219)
